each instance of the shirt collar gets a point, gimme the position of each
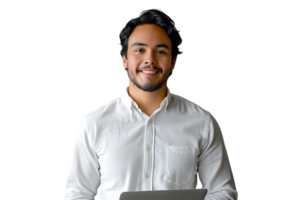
(129, 102)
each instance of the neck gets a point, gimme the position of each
(148, 102)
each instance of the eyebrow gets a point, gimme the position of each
(143, 44)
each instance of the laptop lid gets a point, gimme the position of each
(194, 194)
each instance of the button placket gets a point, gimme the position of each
(149, 155)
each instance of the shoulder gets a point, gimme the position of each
(184, 105)
(103, 113)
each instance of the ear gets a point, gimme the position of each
(124, 61)
(175, 63)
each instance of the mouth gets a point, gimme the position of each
(149, 73)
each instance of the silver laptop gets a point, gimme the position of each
(195, 194)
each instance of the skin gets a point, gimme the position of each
(149, 49)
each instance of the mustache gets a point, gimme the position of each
(149, 67)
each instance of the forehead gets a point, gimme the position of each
(149, 34)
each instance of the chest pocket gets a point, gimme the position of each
(180, 164)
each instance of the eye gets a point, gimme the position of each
(160, 52)
(139, 50)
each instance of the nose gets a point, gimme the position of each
(150, 59)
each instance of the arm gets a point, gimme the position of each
(84, 177)
(213, 165)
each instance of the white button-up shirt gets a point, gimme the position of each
(123, 149)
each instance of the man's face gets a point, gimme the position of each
(149, 57)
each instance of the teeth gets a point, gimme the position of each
(150, 72)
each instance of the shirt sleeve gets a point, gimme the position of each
(84, 177)
(213, 165)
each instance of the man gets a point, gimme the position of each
(149, 139)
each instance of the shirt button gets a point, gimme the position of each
(150, 121)
(147, 176)
(148, 148)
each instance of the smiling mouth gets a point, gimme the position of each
(150, 72)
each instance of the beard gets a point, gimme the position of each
(150, 87)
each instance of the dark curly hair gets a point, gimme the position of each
(157, 17)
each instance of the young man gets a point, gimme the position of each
(149, 139)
